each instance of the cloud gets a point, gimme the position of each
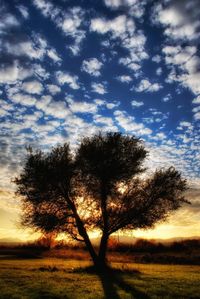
(82, 107)
(23, 99)
(53, 89)
(108, 121)
(98, 88)
(8, 20)
(167, 98)
(124, 78)
(33, 87)
(10, 74)
(128, 123)
(24, 11)
(137, 104)
(147, 86)
(69, 21)
(180, 19)
(196, 100)
(19, 51)
(123, 28)
(57, 109)
(184, 59)
(181, 23)
(53, 55)
(197, 115)
(185, 124)
(155, 116)
(116, 26)
(40, 71)
(109, 105)
(64, 77)
(34, 47)
(134, 7)
(159, 71)
(92, 66)
(156, 58)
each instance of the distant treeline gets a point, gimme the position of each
(143, 245)
(140, 251)
(140, 245)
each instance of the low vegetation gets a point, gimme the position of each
(185, 252)
(58, 278)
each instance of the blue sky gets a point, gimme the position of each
(72, 68)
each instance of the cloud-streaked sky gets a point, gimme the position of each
(72, 68)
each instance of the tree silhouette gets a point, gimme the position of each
(100, 186)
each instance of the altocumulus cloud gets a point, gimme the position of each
(71, 69)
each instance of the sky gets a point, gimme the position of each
(70, 69)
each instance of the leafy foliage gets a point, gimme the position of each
(100, 186)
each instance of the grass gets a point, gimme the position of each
(59, 278)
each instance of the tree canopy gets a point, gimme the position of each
(99, 186)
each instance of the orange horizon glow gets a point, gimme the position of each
(183, 223)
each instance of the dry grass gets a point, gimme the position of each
(61, 278)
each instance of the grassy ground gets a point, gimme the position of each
(58, 278)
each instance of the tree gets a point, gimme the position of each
(100, 186)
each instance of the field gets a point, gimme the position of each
(62, 278)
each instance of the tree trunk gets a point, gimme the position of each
(83, 233)
(104, 239)
(103, 249)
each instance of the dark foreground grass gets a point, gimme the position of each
(57, 278)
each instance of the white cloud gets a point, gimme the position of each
(71, 23)
(196, 100)
(124, 29)
(64, 77)
(124, 78)
(147, 86)
(32, 49)
(92, 66)
(186, 60)
(46, 8)
(40, 71)
(8, 21)
(197, 116)
(53, 89)
(181, 21)
(185, 124)
(128, 123)
(137, 104)
(35, 48)
(127, 61)
(159, 71)
(53, 55)
(68, 21)
(98, 88)
(23, 99)
(112, 105)
(160, 136)
(57, 109)
(156, 58)
(109, 105)
(167, 98)
(9, 74)
(135, 7)
(33, 87)
(24, 11)
(43, 102)
(99, 119)
(83, 107)
(117, 26)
